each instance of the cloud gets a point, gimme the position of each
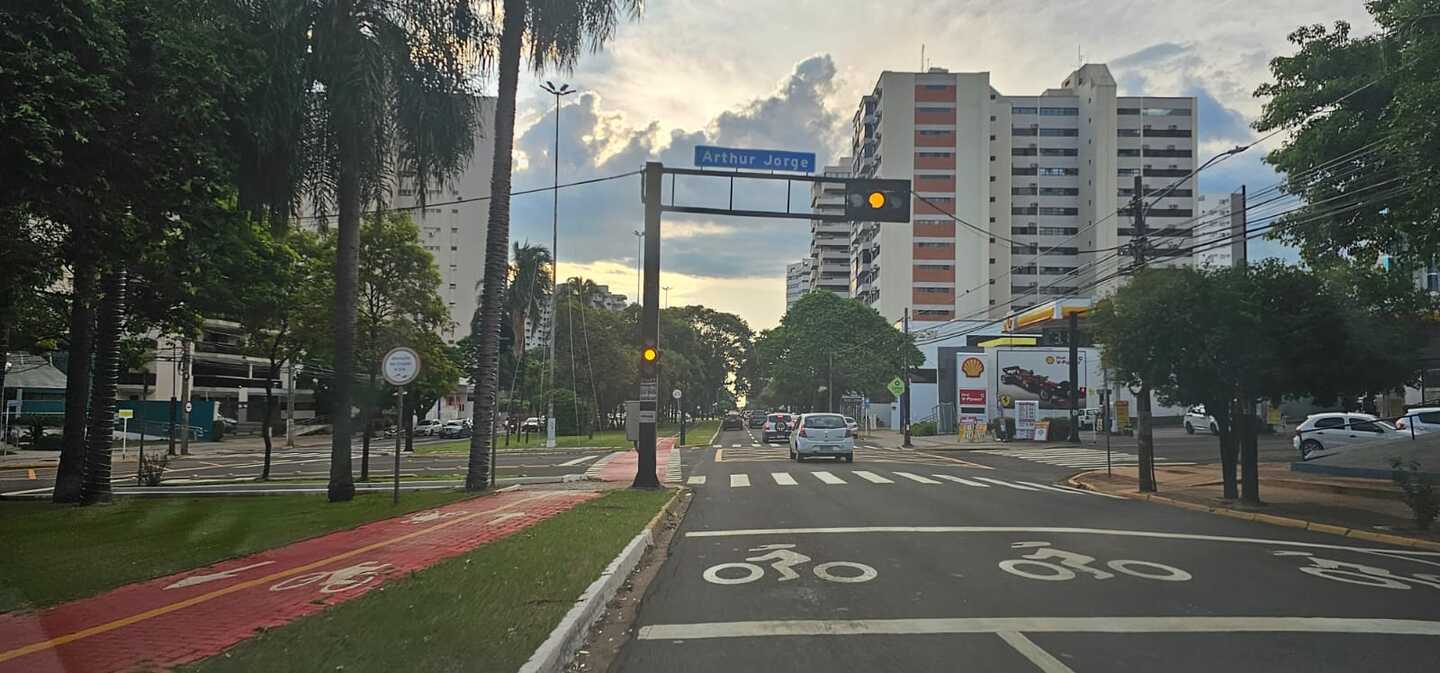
(596, 220)
(1216, 121)
(1150, 55)
(760, 300)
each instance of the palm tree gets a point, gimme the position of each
(583, 291)
(529, 290)
(555, 33)
(100, 435)
(388, 89)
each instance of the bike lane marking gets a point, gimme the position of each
(1046, 662)
(46, 617)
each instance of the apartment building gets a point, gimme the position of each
(830, 241)
(797, 281)
(1018, 199)
(1212, 231)
(537, 327)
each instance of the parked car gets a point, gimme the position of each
(822, 435)
(777, 427)
(1420, 419)
(455, 430)
(732, 421)
(1195, 417)
(428, 427)
(1332, 432)
(757, 420)
(850, 423)
(531, 424)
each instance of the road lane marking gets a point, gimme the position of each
(577, 461)
(734, 446)
(872, 477)
(961, 480)
(715, 446)
(1007, 484)
(754, 445)
(1081, 490)
(241, 586)
(1046, 487)
(917, 478)
(998, 625)
(827, 477)
(1404, 554)
(697, 480)
(739, 480)
(783, 478)
(1027, 648)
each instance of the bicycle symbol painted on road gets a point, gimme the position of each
(1358, 573)
(1069, 565)
(335, 581)
(783, 561)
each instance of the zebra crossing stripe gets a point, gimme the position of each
(916, 478)
(1085, 492)
(1046, 487)
(734, 446)
(697, 480)
(783, 479)
(961, 480)
(827, 477)
(872, 477)
(739, 480)
(1006, 484)
(715, 446)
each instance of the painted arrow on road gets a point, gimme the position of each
(227, 574)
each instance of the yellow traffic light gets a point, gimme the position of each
(877, 199)
(649, 354)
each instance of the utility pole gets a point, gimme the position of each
(290, 405)
(562, 90)
(645, 476)
(1144, 439)
(174, 406)
(830, 383)
(185, 398)
(905, 396)
(1249, 449)
(1074, 338)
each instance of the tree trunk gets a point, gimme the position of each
(1249, 453)
(347, 255)
(1225, 424)
(367, 413)
(96, 484)
(497, 238)
(70, 477)
(1145, 440)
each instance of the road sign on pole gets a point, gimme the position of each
(895, 386)
(755, 160)
(400, 366)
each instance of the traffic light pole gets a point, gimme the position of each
(1144, 439)
(645, 476)
(905, 396)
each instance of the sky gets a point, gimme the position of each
(788, 74)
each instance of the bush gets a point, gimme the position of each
(1416, 490)
(152, 469)
(922, 429)
(566, 420)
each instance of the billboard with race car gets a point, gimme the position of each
(1042, 374)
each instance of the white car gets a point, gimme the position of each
(1195, 417)
(822, 435)
(427, 427)
(1420, 419)
(850, 423)
(1332, 432)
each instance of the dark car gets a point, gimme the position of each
(757, 420)
(732, 422)
(777, 427)
(455, 430)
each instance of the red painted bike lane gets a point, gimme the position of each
(196, 614)
(622, 465)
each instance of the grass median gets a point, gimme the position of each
(696, 434)
(56, 553)
(485, 610)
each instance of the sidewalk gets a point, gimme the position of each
(170, 621)
(621, 465)
(892, 439)
(1334, 503)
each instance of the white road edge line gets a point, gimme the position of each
(997, 482)
(1027, 648)
(577, 461)
(998, 625)
(743, 532)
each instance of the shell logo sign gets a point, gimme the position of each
(1049, 359)
(972, 367)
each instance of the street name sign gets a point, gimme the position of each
(649, 391)
(400, 366)
(707, 156)
(125, 413)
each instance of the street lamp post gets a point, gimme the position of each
(562, 90)
(639, 255)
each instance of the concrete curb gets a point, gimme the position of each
(569, 635)
(1288, 522)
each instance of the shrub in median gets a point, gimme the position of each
(1416, 490)
(922, 429)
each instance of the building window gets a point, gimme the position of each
(1128, 153)
(1127, 110)
(1059, 171)
(1059, 211)
(1059, 152)
(1022, 152)
(1127, 133)
(1059, 133)
(1059, 191)
(1059, 231)
(1022, 132)
(1165, 112)
(1059, 112)
(933, 132)
(1023, 110)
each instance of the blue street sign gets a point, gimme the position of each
(755, 160)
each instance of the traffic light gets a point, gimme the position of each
(649, 357)
(876, 200)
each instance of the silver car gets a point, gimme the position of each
(822, 435)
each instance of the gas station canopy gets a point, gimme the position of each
(1053, 314)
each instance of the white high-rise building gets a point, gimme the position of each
(1019, 200)
(830, 241)
(797, 281)
(1212, 231)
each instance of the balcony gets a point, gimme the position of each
(1167, 133)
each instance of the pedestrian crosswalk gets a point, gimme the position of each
(755, 453)
(868, 478)
(1070, 456)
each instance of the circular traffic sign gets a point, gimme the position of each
(188, 407)
(675, 393)
(400, 366)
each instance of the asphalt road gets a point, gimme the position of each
(1174, 444)
(904, 561)
(314, 463)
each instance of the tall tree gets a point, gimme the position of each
(1364, 143)
(555, 33)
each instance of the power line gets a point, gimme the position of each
(477, 199)
(984, 232)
